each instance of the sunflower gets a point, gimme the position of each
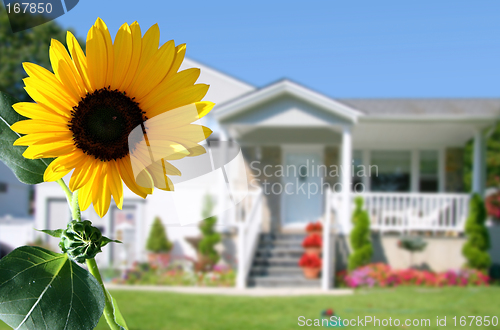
(84, 113)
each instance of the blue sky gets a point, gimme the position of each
(340, 48)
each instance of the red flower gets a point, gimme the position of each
(310, 261)
(313, 240)
(314, 226)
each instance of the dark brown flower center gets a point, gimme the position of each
(102, 121)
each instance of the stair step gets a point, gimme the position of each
(279, 252)
(275, 261)
(279, 236)
(278, 281)
(276, 271)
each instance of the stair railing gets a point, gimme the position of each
(249, 222)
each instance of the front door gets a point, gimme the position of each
(302, 200)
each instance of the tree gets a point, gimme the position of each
(210, 238)
(475, 250)
(361, 245)
(158, 241)
(26, 46)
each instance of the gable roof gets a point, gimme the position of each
(432, 107)
(280, 88)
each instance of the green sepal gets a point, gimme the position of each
(54, 233)
(106, 240)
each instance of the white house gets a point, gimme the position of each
(304, 154)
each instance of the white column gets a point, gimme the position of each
(346, 178)
(415, 170)
(478, 163)
(241, 276)
(442, 170)
(328, 257)
(366, 164)
(221, 198)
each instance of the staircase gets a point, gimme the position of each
(275, 263)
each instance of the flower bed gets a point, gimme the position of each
(177, 274)
(382, 275)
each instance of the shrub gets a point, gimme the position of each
(361, 245)
(158, 241)
(310, 261)
(313, 240)
(475, 250)
(210, 238)
(314, 226)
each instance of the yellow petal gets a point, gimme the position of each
(115, 184)
(79, 60)
(83, 173)
(154, 71)
(101, 195)
(38, 126)
(64, 68)
(97, 58)
(48, 150)
(123, 54)
(180, 51)
(150, 44)
(47, 80)
(174, 100)
(103, 29)
(57, 100)
(178, 81)
(127, 175)
(38, 111)
(55, 170)
(135, 31)
(85, 192)
(44, 138)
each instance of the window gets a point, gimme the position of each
(3, 187)
(392, 172)
(428, 178)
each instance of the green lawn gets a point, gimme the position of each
(159, 310)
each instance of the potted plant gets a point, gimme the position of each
(158, 244)
(312, 244)
(314, 228)
(311, 265)
(412, 244)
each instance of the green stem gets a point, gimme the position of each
(92, 265)
(75, 207)
(69, 194)
(108, 309)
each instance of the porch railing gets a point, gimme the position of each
(248, 218)
(403, 212)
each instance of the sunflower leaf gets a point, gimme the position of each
(117, 315)
(27, 171)
(41, 289)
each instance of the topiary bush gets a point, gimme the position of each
(361, 245)
(475, 250)
(158, 241)
(210, 237)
